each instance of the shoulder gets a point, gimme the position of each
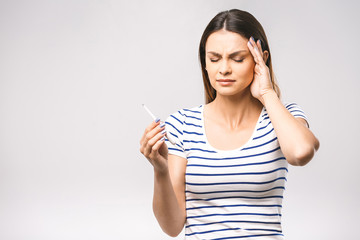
(294, 109)
(180, 116)
(297, 112)
(177, 126)
(289, 105)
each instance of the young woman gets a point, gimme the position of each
(224, 178)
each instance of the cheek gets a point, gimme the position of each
(245, 69)
(211, 71)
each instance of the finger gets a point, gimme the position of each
(150, 147)
(252, 41)
(150, 135)
(156, 138)
(256, 46)
(255, 51)
(252, 48)
(156, 147)
(150, 142)
(151, 126)
(252, 51)
(258, 43)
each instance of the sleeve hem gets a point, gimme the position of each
(179, 154)
(303, 117)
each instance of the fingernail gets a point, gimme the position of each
(252, 38)
(157, 120)
(162, 125)
(250, 43)
(260, 42)
(162, 139)
(163, 132)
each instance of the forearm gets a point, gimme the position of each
(297, 142)
(167, 210)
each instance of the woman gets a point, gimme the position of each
(224, 178)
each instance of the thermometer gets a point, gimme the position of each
(168, 136)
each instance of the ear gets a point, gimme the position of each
(265, 56)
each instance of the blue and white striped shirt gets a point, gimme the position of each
(231, 194)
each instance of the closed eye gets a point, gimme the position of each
(214, 60)
(238, 60)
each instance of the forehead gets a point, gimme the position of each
(225, 41)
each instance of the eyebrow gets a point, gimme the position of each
(231, 55)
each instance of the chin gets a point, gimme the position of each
(231, 91)
(227, 93)
(238, 88)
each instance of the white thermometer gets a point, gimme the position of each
(168, 136)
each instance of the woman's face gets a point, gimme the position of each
(229, 63)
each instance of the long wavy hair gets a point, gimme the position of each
(240, 22)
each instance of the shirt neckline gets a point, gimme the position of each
(231, 150)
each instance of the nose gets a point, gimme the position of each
(224, 68)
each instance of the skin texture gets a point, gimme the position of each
(229, 121)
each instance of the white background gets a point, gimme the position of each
(73, 76)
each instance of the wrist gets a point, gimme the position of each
(268, 96)
(161, 173)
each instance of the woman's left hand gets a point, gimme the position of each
(262, 82)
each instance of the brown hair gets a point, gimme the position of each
(240, 22)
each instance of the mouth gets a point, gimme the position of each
(225, 80)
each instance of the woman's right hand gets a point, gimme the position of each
(152, 146)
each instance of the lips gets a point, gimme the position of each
(225, 80)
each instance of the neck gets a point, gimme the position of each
(236, 111)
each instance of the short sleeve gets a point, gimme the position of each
(296, 111)
(174, 128)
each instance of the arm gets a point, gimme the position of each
(169, 196)
(169, 180)
(297, 142)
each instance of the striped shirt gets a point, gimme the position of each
(231, 194)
